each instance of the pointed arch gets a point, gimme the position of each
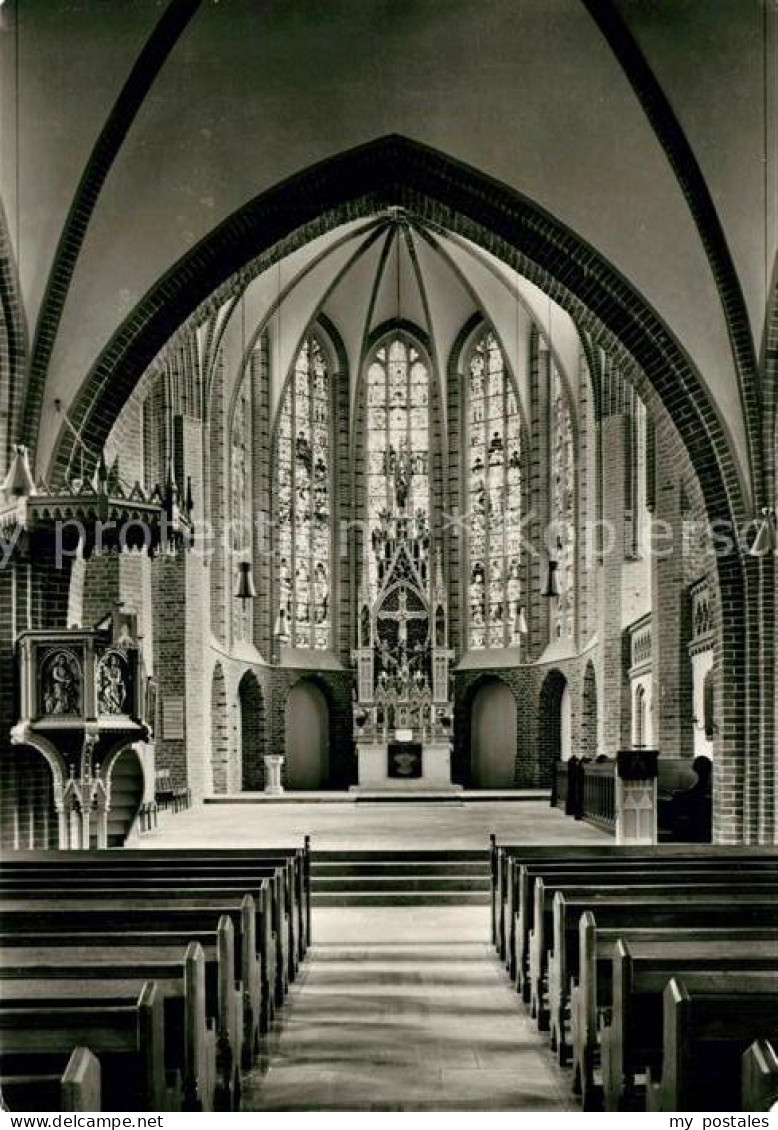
(220, 737)
(589, 713)
(253, 732)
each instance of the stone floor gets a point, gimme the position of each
(405, 1009)
(382, 825)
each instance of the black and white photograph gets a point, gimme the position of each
(388, 560)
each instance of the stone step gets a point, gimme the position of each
(361, 869)
(374, 883)
(400, 898)
(454, 855)
(400, 878)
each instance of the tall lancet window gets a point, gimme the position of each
(303, 477)
(562, 484)
(494, 488)
(398, 438)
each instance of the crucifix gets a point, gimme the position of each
(402, 616)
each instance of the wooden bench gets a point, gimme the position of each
(708, 1022)
(77, 1088)
(263, 883)
(562, 960)
(163, 788)
(271, 934)
(684, 801)
(61, 909)
(553, 944)
(507, 858)
(666, 906)
(270, 882)
(554, 951)
(190, 1035)
(631, 1034)
(183, 862)
(23, 921)
(520, 902)
(161, 963)
(760, 1076)
(675, 947)
(127, 1037)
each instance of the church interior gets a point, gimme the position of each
(388, 488)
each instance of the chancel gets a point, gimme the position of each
(403, 712)
(388, 555)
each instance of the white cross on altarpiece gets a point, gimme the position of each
(402, 616)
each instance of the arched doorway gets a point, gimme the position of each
(589, 717)
(253, 732)
(553, 724)
(307, 737)
(493, 736)
(126, 793)
(220, 747)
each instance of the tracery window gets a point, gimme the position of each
(562, 524)
(494, 489)
(303, 479)
(398, 437)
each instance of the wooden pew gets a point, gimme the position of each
(554, 951)
(561, 962)
(708, 1022)
(641, 969)
(172, 890)
(77, 1088)
(510, 897)
(588, 854)
(33, 919)
(266, 884)
(722, 905)
(128, 1038)
(672, 948)
(263, 890)
(297, 870)
(190, 1036)
(760, 1076)
(520, 902)
(102, 961)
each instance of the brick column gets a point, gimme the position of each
(587, 508)
(614, 735)
(219, 509)
(181, 631)
(672, 706)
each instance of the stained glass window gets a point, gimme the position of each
(303, 480)
(494, 497)
(398, 437)
(563, 506)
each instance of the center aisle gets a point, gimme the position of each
(405, 1008)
